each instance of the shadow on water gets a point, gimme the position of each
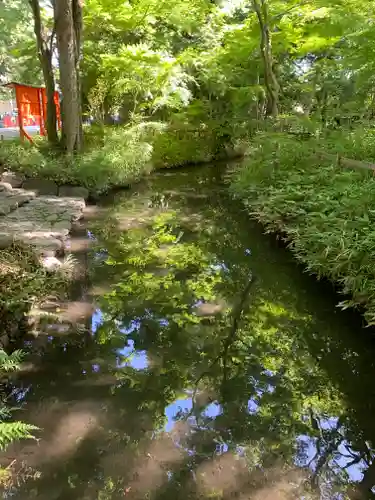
(213, 369)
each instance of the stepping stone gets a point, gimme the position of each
(7, 205)
(44, 246)
(5, 186)
(41, 221)
(19, 191)
(23, 198)
(11, 178)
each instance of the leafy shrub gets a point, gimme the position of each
(324, 211)
(21, 157)
(32, 160)
(123, 158)
(182, 144)
(10, 430)
(358, 143)
(116, 156)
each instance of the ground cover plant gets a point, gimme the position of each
(326, 212)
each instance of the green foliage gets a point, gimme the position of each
(10, 362)
(113, 157)
(357, 143)
(11, 431)
(325, 212)
(22, 157)
(24, 282)
(122, 159)
(182, 144)
(18, 55)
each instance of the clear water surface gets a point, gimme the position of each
(211, 367)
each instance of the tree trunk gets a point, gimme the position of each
(78, 29)
(45, 56)
(270, 80)
(69, 52)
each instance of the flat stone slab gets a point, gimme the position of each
(14, 180)
(10, 200)
(43, 245)
(43, 221)
(5, 186)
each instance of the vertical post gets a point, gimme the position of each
(23, 133)
(20, 115)
(58, 109)
(42, 128)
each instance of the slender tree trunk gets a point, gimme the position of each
(69, 53)
(371, 109)
(78, 29)
(45, 56)
(270, 80)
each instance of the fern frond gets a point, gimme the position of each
(10, 362)
(4, 412)
(12, 431)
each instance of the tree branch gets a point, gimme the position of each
(229, 339)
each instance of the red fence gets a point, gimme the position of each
(32, 108)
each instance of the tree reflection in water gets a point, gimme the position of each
(212, 370)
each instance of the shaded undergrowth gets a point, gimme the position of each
(325, 212)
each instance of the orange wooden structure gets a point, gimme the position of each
(32, 107)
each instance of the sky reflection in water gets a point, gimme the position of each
(138, 387)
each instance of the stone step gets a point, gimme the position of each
(42, 186)
(11, 199)
(43, 221)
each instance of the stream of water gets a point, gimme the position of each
(211, 368)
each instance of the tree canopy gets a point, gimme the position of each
(232, 62)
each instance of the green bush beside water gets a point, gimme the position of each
(178, 146)
(118, 156)
(326, 212)
(114, 156)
